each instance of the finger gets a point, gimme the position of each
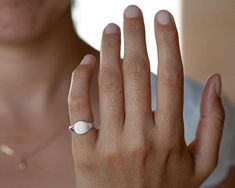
(169, 115)
(209, 132)
(79, 102)
(136, 68)
(110, 82)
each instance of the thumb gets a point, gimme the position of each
(205, 148)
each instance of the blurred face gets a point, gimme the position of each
(23, 20)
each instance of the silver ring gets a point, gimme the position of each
(81, 127)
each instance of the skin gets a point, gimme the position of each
(131, 145)
(36, 66)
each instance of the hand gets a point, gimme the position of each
(135, 147)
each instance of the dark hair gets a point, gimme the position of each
(72, 2)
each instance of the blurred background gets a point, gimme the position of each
(208, 35)
(206, 32)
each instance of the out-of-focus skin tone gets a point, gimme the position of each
(22, 21)
(39, 49)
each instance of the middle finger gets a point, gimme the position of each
(136, 68)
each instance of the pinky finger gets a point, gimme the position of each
(79, 104)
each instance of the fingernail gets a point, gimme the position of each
(132, 11)
(218, 85)
(112, 29)
(88, 59)
(164, 17)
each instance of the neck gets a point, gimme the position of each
(40, 66)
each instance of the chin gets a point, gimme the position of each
(25, 20)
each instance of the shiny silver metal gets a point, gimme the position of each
(81, 127)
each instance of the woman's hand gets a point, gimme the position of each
(135, 147)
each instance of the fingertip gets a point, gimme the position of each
(132, 11)
(165, 29)
(212, 109)
(112, 28)
(213, 88)
(88, 59)
(83, 70)
(164, 17)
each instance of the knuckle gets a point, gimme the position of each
(138, 150)
(168, 146)
(85, 164)
(137, 67)
(171, 145)
(75, 102)
(111, 156)
(83, 160)
(110, 81)
(171, 77)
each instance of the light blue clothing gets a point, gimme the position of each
(192, 97)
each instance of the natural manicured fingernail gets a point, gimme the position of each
(164, 17)
(88, 59)
(218, 85)
(132, 11)
(112, 29)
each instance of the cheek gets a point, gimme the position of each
(19, 21)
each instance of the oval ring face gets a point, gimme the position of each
(81, 127)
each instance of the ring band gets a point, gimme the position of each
(81, 127)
